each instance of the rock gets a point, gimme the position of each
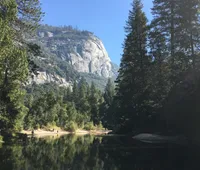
(82, 49)
(49, 34)
(44, 77)
(67, 54)
(153, 138)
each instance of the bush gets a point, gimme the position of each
(37, 126)
(1, 138)
(100, 126)
(89, 126)
(51, 126)
(81, 125)
(71, 126)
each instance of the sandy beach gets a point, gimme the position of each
(42, 132)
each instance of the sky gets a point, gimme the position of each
(105, 18)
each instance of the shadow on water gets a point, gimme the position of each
(72, 152)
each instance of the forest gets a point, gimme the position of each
(156, 90)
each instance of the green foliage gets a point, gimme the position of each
(89, 126)
(13, 71)
(1, 139)
(150, 70)
(100, 126)
(29, 15)
(107, 109)
(71, 126)
(50, 104)
(99, 82)
(95, 101)
(43, 105)
(61, 152)
(132, 81)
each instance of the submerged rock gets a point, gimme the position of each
(153, 138)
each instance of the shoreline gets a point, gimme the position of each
(42, 132)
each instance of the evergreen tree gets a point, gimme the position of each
(189, 30)
(13, 71)
(178, 22)
(29, 15)
(165, 18)
(132, 89)
(75, 92)
(107, 106)
(174, 39)
(109, 92)
(95, 101)
(159, 73)
(83, 104)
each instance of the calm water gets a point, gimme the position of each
(95, 153)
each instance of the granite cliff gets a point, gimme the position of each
(69, 53)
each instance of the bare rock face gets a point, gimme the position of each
(82, 49)
(90, 56)
(67, 54)
(44, 77)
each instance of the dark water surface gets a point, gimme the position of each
(95, 153)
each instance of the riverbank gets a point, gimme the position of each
(42, 132)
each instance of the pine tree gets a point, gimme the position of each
(13, 71)
(106, 109)
(75, 92)
(174, 39)
(189, 30)
(159, 74)
(109, 93)
(29, 15)
(95, 101)
(165, 18)
(83, 104)
(178, 22)
(132, 81)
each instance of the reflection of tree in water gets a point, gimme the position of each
(67, 152)
(90, 153)
(59, 153)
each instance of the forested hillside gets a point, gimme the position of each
(63, 77)
(67, 54)
(157, 86)
(64, 99)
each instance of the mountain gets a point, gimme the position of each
(69, 54)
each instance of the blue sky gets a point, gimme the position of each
(106, 18)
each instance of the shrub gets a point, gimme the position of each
(1, 138)
(37, 126)
(89, 126)
(51, 126)
(100, 126)
(81, 125)
(71, 126)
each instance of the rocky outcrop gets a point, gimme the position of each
(90, 56)
(160, 139)
(44, 77)
(82, 49)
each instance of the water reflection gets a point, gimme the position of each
(94, 153)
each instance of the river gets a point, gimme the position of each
(73, 152)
